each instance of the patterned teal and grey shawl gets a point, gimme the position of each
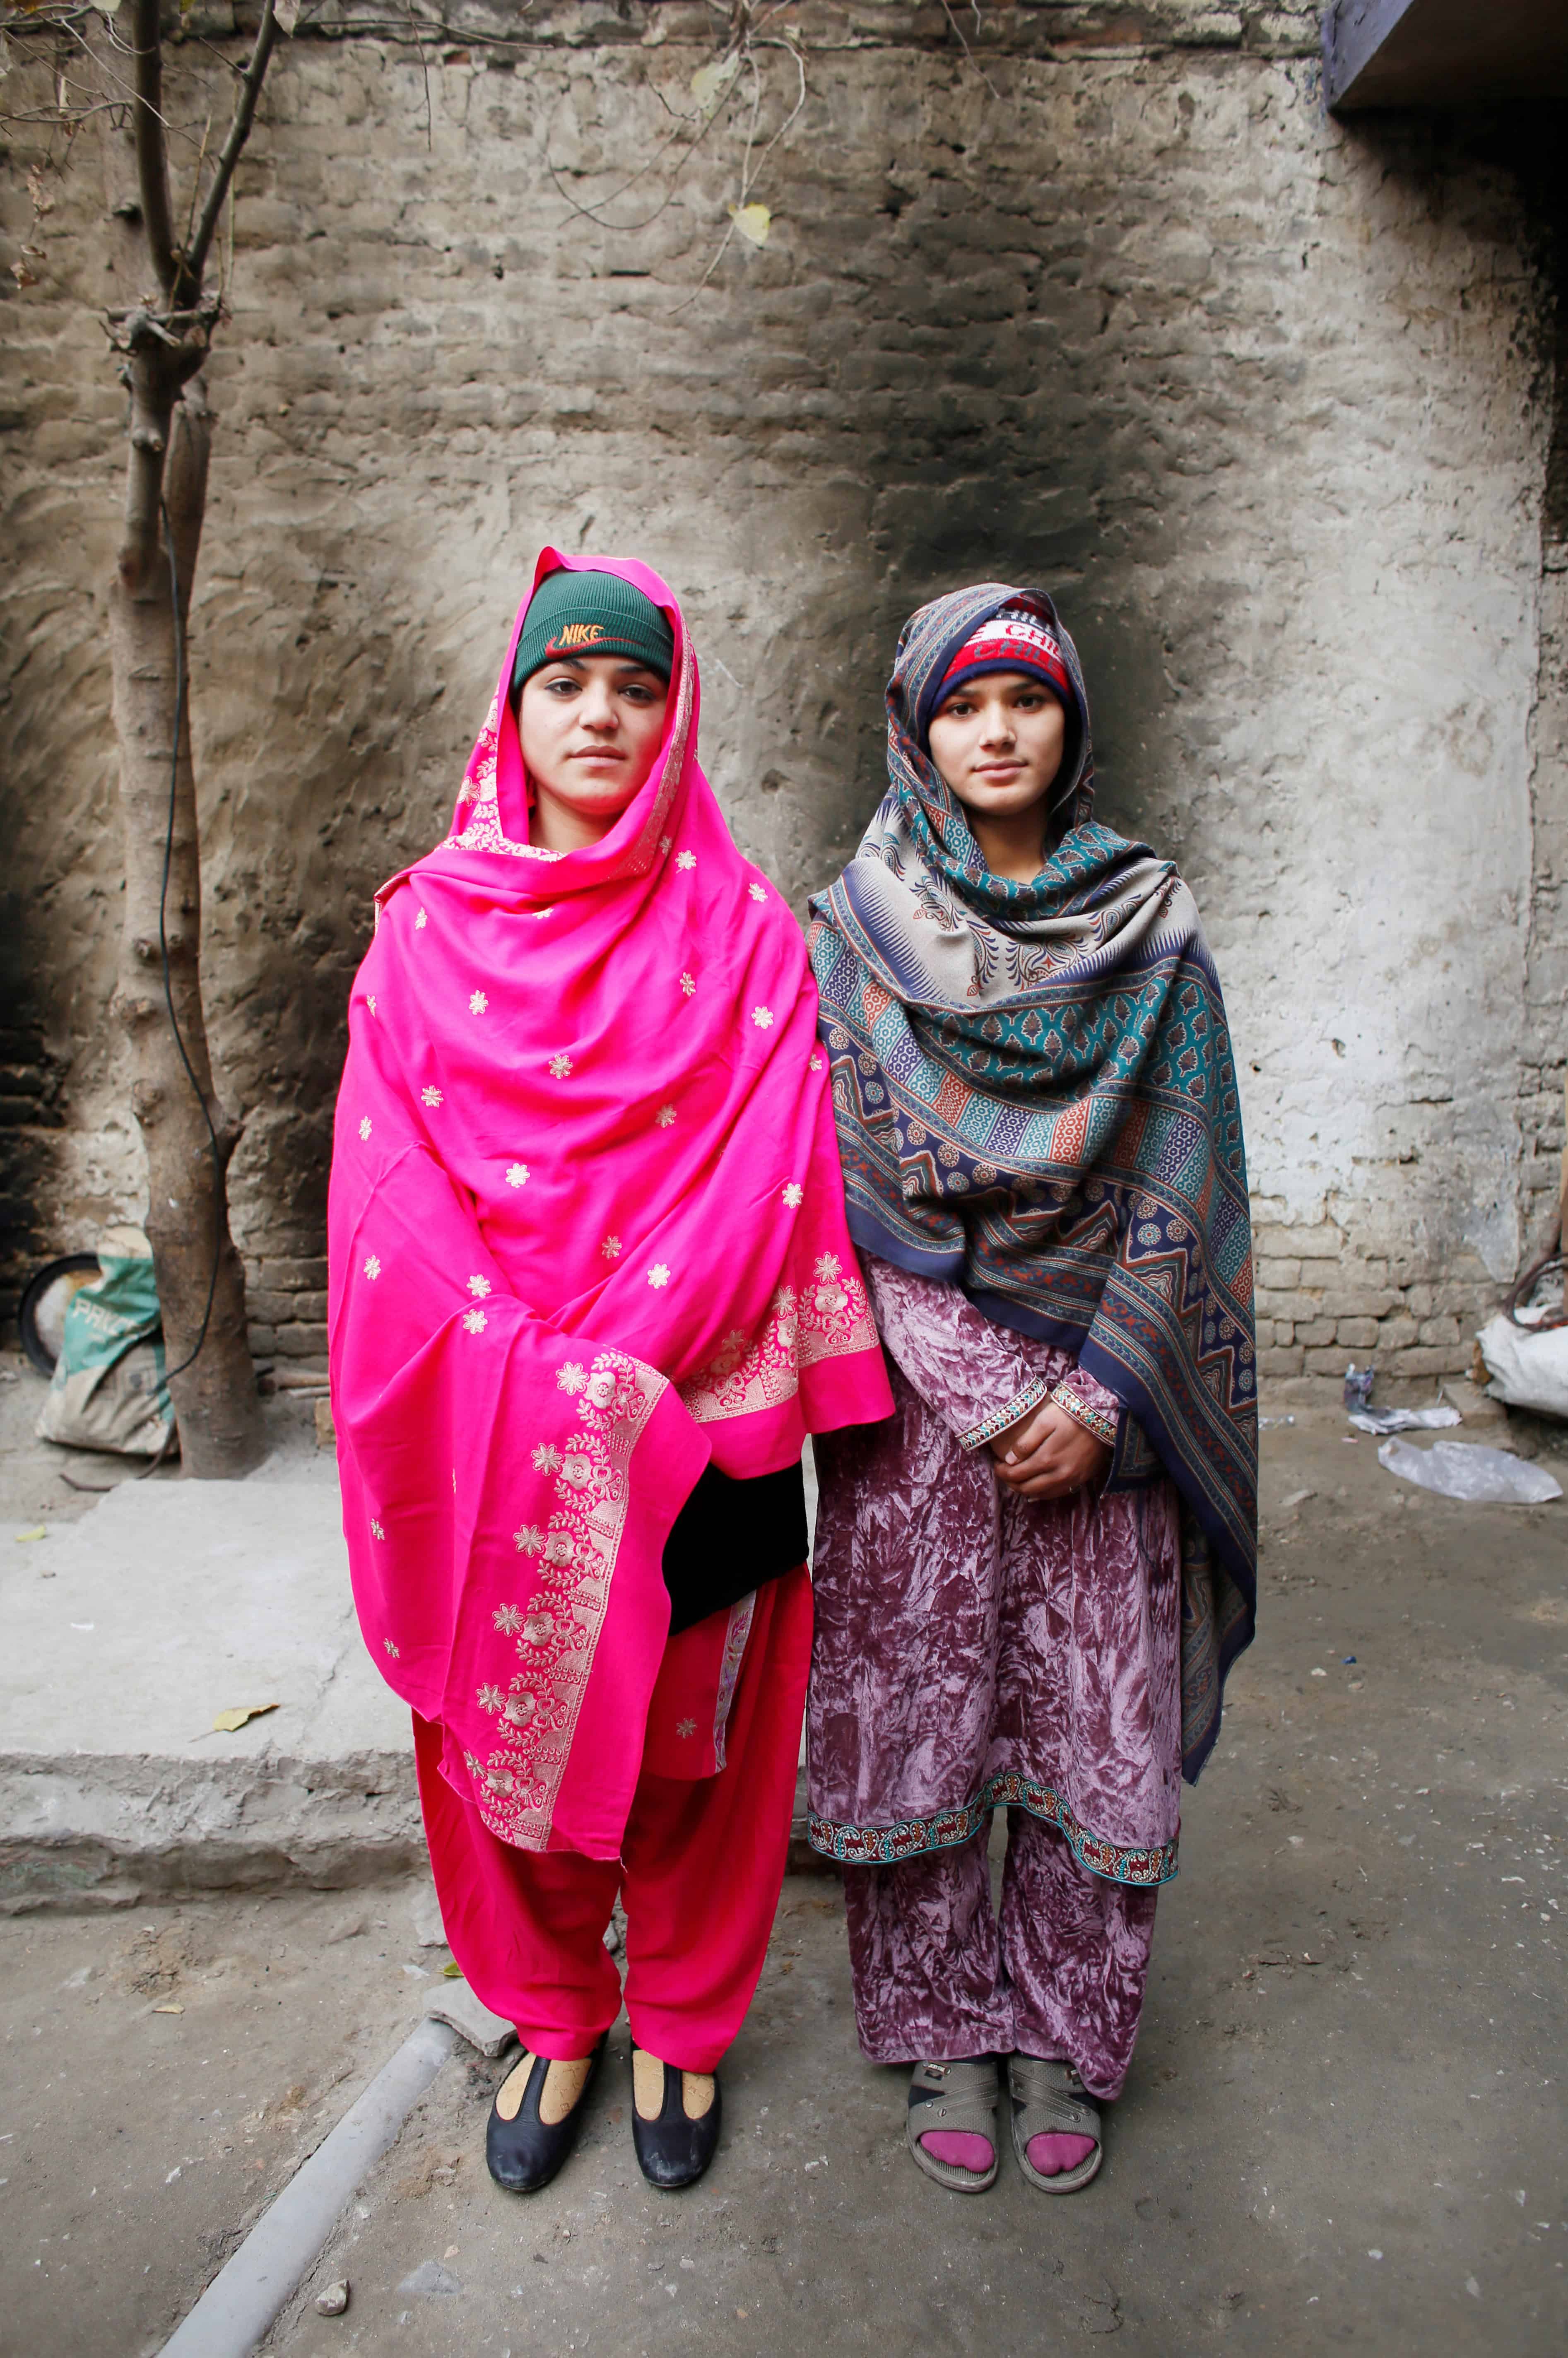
(1036, 1100)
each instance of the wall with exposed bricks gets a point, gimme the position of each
(1110, 305)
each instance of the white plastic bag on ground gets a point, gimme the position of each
(1528, 1371)
(1402, 1420)
(1467, 1469)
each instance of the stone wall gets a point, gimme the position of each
(1544, 1066)
(1110, 307)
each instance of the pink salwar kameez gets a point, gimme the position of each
(587, 1240)
(699, 1870)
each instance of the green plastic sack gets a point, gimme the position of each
(108, 1390)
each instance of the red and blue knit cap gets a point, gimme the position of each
(1015, 639)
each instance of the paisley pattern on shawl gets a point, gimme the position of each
(584, 1158)
(1036, 1100)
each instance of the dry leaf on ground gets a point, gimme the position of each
(228, 1721)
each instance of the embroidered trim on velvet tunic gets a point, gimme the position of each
(885, 1845)
(1082, 1412)
(1034, 1392)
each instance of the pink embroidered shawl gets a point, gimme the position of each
(586, 1230)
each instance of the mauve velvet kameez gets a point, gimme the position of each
(975, 1649)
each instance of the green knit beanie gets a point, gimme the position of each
(591, 615)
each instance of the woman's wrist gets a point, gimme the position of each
(990, 1428)
(1102, 1424)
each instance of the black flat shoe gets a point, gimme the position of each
(672, 2151)
(525, 2153)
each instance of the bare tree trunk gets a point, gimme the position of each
(164, 339)
(220, 1430)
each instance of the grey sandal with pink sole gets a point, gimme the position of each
(1049, 2099)
(957, 2098)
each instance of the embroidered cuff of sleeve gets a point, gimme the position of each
(1093, 1420)
(1034, 1392)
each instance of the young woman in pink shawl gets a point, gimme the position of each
(591, 1286)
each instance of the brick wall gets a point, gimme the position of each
(286, 1299)
(1324, 1304)
(1266, 400)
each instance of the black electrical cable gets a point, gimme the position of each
(163, 949)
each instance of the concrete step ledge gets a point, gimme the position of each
(129, 1632)
(100, 1830)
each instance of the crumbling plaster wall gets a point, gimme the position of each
(1259, 396)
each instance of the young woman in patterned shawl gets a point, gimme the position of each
(1030, 1583)
(591, 1288)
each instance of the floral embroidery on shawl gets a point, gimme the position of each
(555, 1633)
(827, 1319)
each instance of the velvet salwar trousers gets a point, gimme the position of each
(700, 1874)
(1062, 1973)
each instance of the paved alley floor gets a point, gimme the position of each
(1344, 2126)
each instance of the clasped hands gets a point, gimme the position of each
(1048, 1454)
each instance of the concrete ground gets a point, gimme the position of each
(165, 2072)
(1344, 2125)
(131, 1631)
(42, 1483)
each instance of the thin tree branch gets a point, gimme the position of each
(790, 50)
(196, 179)
(627, 229)
(239, 132)
(425, 70)
(720, 252)
(152, 152)
(226, 263)
(969, 56)
(593, 212)
(67, 26)
(754, 70)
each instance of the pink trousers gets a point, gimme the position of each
(700, 1876)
